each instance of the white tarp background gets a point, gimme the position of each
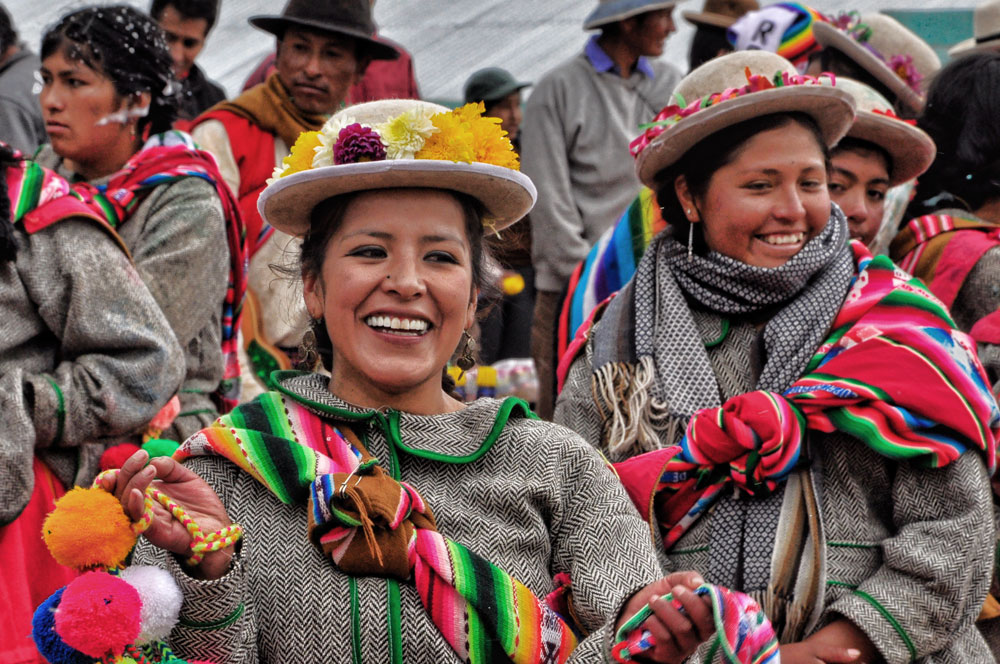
(449, 39)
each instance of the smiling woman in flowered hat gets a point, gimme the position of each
(384, 519)
(797, 420)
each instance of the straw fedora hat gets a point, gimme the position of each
(610, 11)
(910, 149)
(831, 108)
(346, 17)
(721, 13)
(888, 38)
(287, 202)
(985, 30)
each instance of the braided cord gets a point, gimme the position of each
(200, 542)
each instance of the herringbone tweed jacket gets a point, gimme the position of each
(906, 552)
(86, 356)
(539, 502)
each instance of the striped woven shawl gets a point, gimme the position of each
(893, 372)
(369, 523)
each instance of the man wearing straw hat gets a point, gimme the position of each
(578, 122)
(324, 47)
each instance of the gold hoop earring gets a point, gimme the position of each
(308, 353)
(467, 359)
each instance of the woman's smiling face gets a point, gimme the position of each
(763, 206)
(395, 291)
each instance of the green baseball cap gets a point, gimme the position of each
(491, 84)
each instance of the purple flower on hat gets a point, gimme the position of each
(356, 144)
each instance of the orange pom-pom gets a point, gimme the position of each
(88, 528)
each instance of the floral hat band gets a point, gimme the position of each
(731, 89)
(400, 143)
(901, 64)
(674, 113)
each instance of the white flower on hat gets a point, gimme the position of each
(404, 135)
(328, 136)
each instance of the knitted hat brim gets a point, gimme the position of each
(832, 109)
(910, 149)
(710, 19)
(620, 11)
(277, 25)
(830, 37)
(507, 195)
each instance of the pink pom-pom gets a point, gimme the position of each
(114, 457)
(167, 415)
(98, 614)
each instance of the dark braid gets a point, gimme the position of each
(8, 243)
(129, 48)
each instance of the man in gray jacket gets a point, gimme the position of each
(578, 123)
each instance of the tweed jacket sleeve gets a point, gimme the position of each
(575, 407)
(935, 566)
(594, 517)
(182, 253)
(119, 360)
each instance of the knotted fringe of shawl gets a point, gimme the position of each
(742, 630)
(167, 158)
(893, 372)
(634, 418)
(483, 613)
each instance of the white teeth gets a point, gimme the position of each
(791, 238)
(401, 324)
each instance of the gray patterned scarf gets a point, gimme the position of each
(650, 365)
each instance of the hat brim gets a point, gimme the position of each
(710, 19)
(507, 195)
(912, 151)
(832, 109)
(619, 11)
(501, 92)
(830, 37)
(277, 25)
(970, 45)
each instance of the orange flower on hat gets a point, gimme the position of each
(301, 156)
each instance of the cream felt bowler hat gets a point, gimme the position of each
(721, 93)
(910, 148)
(874, 43)
(985, 30)
(400, 143)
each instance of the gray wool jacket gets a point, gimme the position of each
(539, 501)
(86, 356)
(177, 236)
(905, 552)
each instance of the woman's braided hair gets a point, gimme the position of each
(8, 243)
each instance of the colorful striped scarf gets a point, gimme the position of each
(742, 630)
(893, 372)
(609, 265)
(942, 249)
(369, 523)
(164, 159)
(40, 197)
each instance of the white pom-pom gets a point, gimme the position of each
(161, 601)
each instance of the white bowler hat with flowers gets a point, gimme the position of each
(731, 89)
(400, 143)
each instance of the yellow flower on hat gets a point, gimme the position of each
(465, 135)
(453, 140)
(301, 156)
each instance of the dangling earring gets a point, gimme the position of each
(690, 241)
(467, 359)
(308, 355)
